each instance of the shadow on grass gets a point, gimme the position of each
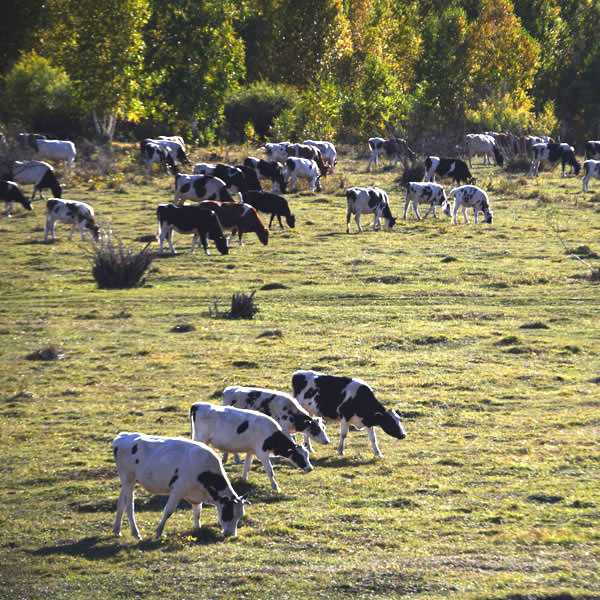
(90, 548)
(336, 462)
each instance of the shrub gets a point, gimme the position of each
(242, 307)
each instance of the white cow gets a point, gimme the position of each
(470, 196)
(480, 143)
(57, 150)
(37, 173)
(200, 187)
(368, 200)
(424, 192)
(328, 151)
(236, 430)
(591, 168)
(302, 168)
(178, 468)
(276, 151)
(73, 213)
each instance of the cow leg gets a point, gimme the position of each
(280, 223)
(170, 240)
(464, 212)
(416, 207)
(247, 465)
(371, 158)
(125, 502)
(266, 463)
(455, 212)
(49, 228)
(373, 438)
(431, 208)
(376, 222)
(196, 512)
(585, 183)
(475, 211)
(344, 427)
(307, 444)
(170, 507)
(406, 203)
(204, 241)
(357, 219)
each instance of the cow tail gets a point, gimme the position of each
(192, 428)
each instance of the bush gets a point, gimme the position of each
(242, 307)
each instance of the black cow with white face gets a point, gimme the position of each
(10, 193)
(346, 399)
(553, 154)
(368, 200)
(455, 168)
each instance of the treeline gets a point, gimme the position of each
(225, 70)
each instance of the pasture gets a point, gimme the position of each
(485, 337)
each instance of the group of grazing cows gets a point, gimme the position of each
(255, 421)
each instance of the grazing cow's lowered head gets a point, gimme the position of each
(10, 193)
(368, 200)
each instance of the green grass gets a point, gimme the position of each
(485, 337)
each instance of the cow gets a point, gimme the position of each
(280, 406)
(10, 193)
(424, 192)
(38, 173)
(394, 148)
(470, 196)
(592, 150)
(553, 154)
(328, 152)
(232, 429)
(71, 212)
(368, 200)
(276, 152)
(178, 468)
(29, 140)
(233, 177)
(155, 153)
(175, 147)
(200, 187)
(57, 150)
(251, 177)
(202, 223)
(348, 400)
(271, 170)
(447, 167)
(172, 138)
(239, 217)
(3, 141)
(302, 168)
(276, 206)
(591, 168)
(309, 152)
(480, 143)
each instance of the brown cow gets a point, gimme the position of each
(310, 152)
(240, 217)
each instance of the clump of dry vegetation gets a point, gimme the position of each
(242, 307)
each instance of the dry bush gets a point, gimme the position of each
(242, 307)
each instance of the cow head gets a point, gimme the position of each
(263, 235)
(447, 208)
(291, 220)
(230, 511)
(488, 216)
(390, 422)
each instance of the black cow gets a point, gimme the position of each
(234, 178)
(251, 178)
(448, 167)
(276, 206)
(152, 152)
(10, 193)
(271, 170)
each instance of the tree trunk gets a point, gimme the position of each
(106, 128)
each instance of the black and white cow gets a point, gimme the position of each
(480, 143)
(155, 153)
(425, 193)
(394, 149)
(178, 468)
(591, 168)
(270, 170)
(470, 196)
(328, 152)
(553, 154)
(37, 173)
(368, 200)
(232, 429)
(592, 150)
(29, 140)
(269, 203)
(57, 150)
(346, 399)
(455, 168)
(302, 168)
(311, 153)
(200, 222)
(200, 187)
(233, 177)
(276, 151)
(71, 212)
(174, 146)
(10, 193)
(251, 177)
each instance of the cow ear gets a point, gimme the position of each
(244, 498)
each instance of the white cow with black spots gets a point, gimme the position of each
(302, 168)
(73, 213)
(470, 196)
(368, 200)
(591, 168)
(426, 193)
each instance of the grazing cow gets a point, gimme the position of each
(328, 152)
(424, 192)
(178, 468)
(29, 140)
(200, 187)
(447, 167)
(281, 407)
(592, 150)
(346, 399)
(553, 153)
(10, 193)
(251, 177)
(480, 143)
(202, 223)
(591, 168)
(276, 206)
(310, 153)
(152, 153)
(271, 170)
(172, 138)
(232, 429)
(57, 150)
(302, 168)
(39, 174)
(72, 213)
(233, 177)
(470, 196)
(276, 152)
(368, 200)
(394, 148)
(175, 147)
(239, 217)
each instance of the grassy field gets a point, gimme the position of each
(485, 337)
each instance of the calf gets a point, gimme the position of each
(271, 170)
(591, 168)
(368, 200)
(394, 148)
(236, 430)
(239, 217)
(309, 152)
(553, 154)
(302, 168)
(177, 468)
(276, 206)
(470, 196)
(57, 150)
(281, 407)
(73, 213)
(480, 143)
(424, 192)
(328, 152)
(276, 152)
(346, 399)
(10, 193)
(592, 150)
(38, 173)
(447, 167)
(200, 187)
(155, 153)
(233, 177)
(202, 223)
